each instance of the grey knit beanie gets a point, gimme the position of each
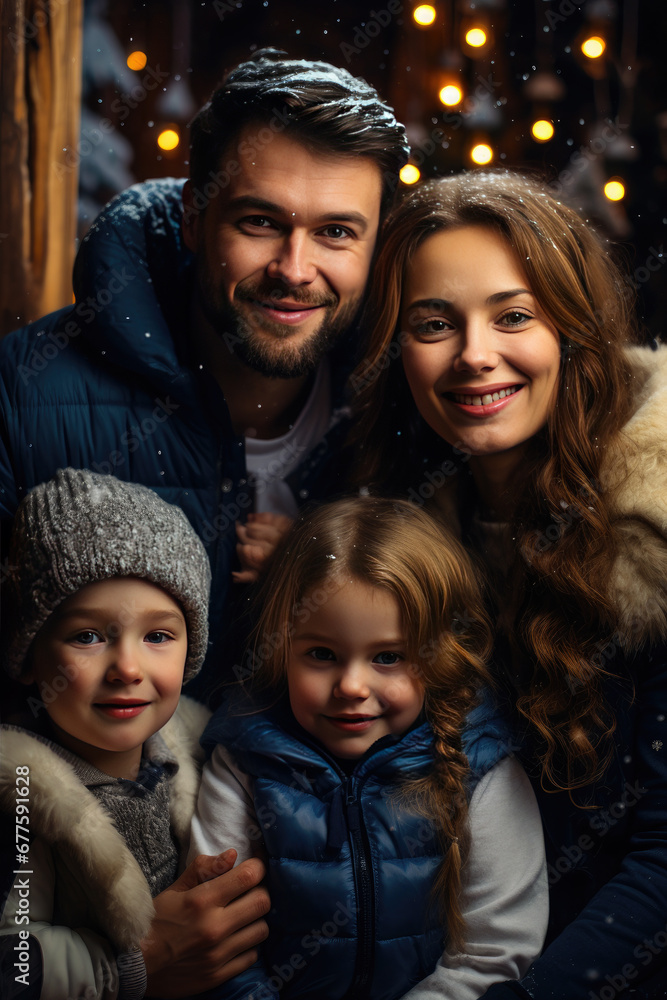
(81, 527)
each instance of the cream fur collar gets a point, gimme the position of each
(62, 811)
(635, 471)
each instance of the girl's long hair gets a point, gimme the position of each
(396, 546)
(557, 610)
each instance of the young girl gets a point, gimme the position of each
(517, 406)
(374, 775)
(109, 617)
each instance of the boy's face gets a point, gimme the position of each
(109, 665)
(349, 680)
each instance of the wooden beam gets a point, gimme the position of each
(40, 86)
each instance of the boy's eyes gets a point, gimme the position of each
(158, 637)
(88, 637)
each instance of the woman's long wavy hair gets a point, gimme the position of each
(401, 549)
(558, 610)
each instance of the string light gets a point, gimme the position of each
(137, 60)
(410, 174)
(476, 37)
(168, 139)
(451, 95)
(614, 190)
(424, 14)
(481, 153)
(542, 130)
(593, 47)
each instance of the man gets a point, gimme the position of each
(206, 354)
(208, 363)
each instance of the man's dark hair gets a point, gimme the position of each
(320, 105)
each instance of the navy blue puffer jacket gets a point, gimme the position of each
(350, 869)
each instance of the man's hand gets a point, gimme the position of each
(258, 539)
(207, 926)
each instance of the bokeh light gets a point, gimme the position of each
(593, 47)
(168, 139)
(542, 130)
(137, 60)
(424, 14)
(481, 153)
(614, 190)
(451, 95)
(410, 174)
(476, 37)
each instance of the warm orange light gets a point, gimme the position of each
(168, 139)
(614, 190)
(593, 47)
(542, 130)
(451, 95)
(137, 60)
(424, 14)
(410, 174)
(476, 37)
(481, 153)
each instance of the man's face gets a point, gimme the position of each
(284, 250)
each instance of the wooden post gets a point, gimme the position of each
(40, 87)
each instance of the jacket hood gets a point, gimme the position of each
(132, 274)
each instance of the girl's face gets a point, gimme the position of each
(482, 359)
(349, 682)
(111, 660)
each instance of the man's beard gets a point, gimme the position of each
(274, 356)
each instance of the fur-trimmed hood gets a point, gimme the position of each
(635, 471)
(65, 813)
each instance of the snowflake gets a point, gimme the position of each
(657, 744)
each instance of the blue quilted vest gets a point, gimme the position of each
(350, 869)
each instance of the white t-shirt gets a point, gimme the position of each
(270, 461)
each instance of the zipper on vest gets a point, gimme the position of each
(361, 859)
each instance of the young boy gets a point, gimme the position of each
(98, 782)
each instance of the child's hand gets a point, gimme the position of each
(257, 542)
(207, 926)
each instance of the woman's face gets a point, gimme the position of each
(481, 358)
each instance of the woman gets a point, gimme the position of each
(501, 388)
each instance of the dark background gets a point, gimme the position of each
(609, 114)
